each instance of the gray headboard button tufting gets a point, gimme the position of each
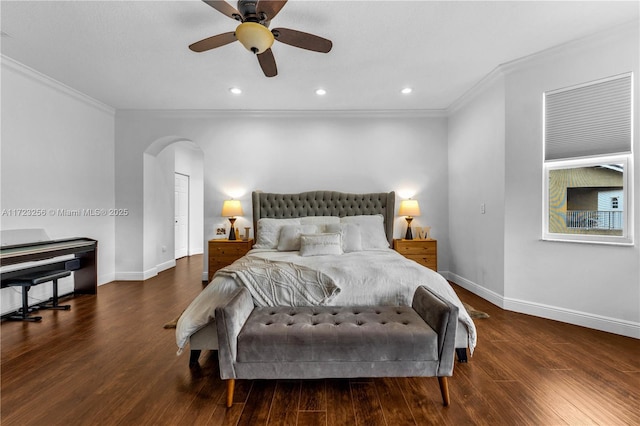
(324, 203)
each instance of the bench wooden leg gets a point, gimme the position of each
(444, 390)
(231, 383)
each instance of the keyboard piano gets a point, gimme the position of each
(72, 254)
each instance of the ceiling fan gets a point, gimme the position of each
(254, 34)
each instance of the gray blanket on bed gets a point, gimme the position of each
(275, 283)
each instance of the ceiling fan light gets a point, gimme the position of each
(255, 37)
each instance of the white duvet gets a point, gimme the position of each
(365, 278)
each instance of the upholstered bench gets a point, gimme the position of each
(336, 342)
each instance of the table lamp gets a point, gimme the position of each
(409, 208)
(231, 209)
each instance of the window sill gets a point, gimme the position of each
(621, 241)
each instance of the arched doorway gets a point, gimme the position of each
(165, 159)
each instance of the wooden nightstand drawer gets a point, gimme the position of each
(219, 250)
(224, 252)
(425, 252)
(428, 261)
(224, 260)
(215, 264)
(408, 248)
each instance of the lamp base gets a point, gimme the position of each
(232, 234)
(409, 235)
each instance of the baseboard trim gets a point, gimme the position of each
(584, 319)
(137, 276)
(106, 278)
(570, 316)
(474, 288)
(145, 275)
(166, 265)
(129, 276)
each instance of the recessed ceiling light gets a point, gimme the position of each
(235, 90)
(407, 90)
(321, 92)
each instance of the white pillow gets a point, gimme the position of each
(290, 236)
(268, 231)
(349, 235)
(371, 230)
(320, 244)
(320, 221)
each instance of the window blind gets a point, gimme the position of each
(590, 119)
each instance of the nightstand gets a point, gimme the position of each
(425, 252)
(224, 252)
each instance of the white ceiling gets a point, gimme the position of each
(134, 54)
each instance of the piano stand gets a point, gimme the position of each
(29, 280)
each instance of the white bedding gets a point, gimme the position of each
(365, 278)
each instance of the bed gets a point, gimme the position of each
(319, 248)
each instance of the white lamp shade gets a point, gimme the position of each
(255, 37)
(232, 208)
(409, 208)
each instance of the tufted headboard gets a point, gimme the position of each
(324, 203)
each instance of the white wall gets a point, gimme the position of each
(476, 178)
(288, 152)
(595, 285)
(57, 153)
(495, 142)
(158, 238)
(190, 162)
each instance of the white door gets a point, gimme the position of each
(182, 216)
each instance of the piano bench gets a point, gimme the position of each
(29, 280)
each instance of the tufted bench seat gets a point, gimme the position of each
(326, 342)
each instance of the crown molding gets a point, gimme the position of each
(45, 80)
(213, 113)
(483, 84)
(540, 57)
(585, 42)
(480, 87)
(29, 72)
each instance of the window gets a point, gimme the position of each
(587, 162)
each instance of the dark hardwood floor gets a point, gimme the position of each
(108, 361)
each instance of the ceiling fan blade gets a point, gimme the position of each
(268, 63)
(224, 8)
(302, 40)
(213, 42)
(270, 7)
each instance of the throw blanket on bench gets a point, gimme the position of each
(276, 283)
